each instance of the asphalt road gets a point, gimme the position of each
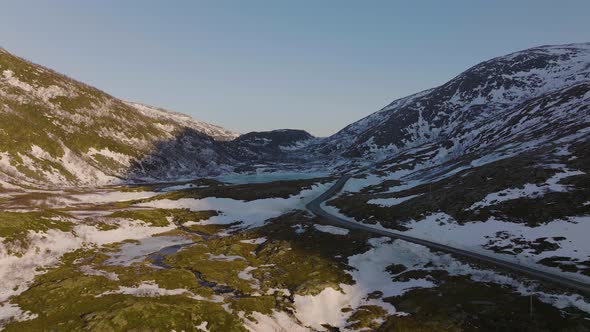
(315, 207)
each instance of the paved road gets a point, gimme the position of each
(315, 207)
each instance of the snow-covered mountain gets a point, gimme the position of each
(536, 94)
(496, 161)
(55, 130)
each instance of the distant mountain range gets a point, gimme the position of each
(56, 131)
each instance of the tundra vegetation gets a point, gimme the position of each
(228, 277)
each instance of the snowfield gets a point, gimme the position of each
(390, 201)
(249, 213)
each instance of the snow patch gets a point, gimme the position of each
(251, 213)
(134, 252)
(388, 202)
(331, 229)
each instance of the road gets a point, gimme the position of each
(315, 207)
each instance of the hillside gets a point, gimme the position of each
(57, 131)
(494, 161)
(535, 94)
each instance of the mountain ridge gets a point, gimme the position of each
(481, 91)
(59, 131)
(62, 132)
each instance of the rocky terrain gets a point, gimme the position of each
(212, 256)
(121, 216)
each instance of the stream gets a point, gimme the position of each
(158, 260)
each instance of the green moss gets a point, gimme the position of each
(159, 217)
(45, 123)
(247, 192)
(105, 227)
(197, 259)
(82, 312)
(165, 278)
(459, 304)
(66, 299)
(367, 317)
(298, 270)
(15, 226)
(261, 304)
(108, 162)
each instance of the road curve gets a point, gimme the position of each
(315, 207)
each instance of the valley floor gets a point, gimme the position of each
(211, 256)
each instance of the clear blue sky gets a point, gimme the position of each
(259, 65)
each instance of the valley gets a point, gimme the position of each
(240, 256)
(460, 208)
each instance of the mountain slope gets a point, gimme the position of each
(495, 161)
(183, 120)
(276, 145)
(475, 109)
(57, 131)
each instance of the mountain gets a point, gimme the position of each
(496, 161)
(276, 145)
(60, 132)
(535, 94)
(216, 132)
(281, 139)
(57, 131)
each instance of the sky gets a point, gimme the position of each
(261, 65)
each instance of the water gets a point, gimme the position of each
(158, 257)
(269, 177)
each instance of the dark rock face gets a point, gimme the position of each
(280, 138)
(273, 146)
(194, 154)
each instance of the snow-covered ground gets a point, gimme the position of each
(387, 202)
(279, 321)
(529, 190)
(474, 236)
(46, 248)
(250, 213)
(102, 197)
(331, 229)
(151, 289)
(370, 275)
(311, 312)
